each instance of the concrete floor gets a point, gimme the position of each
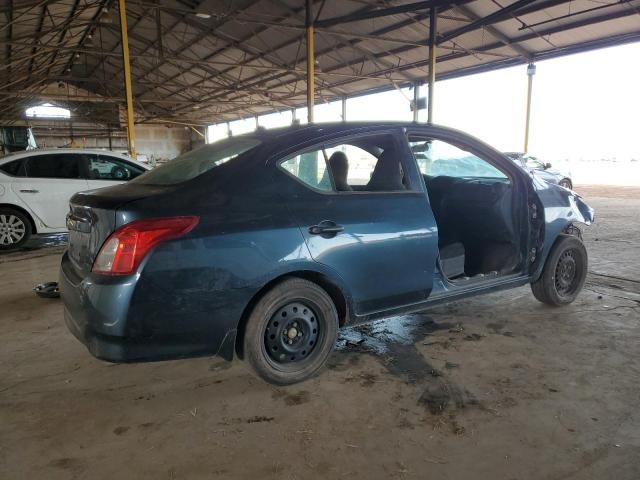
(495, 387)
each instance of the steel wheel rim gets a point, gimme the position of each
(12, 229)
(292, 333)
(566, 273)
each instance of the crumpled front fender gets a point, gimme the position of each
(562, 208)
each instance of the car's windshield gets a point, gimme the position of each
(198, 161)
(533, 162)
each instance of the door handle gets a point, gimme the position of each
(326, 228)
(29, 190)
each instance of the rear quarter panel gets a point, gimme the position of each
(202, 284)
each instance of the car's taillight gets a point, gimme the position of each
(126, 247)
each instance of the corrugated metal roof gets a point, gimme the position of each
(248, 56)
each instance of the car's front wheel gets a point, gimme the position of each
(564, 272)
(15, 229)
(290, 332)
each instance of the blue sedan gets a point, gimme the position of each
(262, 246)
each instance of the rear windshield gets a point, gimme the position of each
(198, 161)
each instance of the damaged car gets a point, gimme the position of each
(542, 169)
(262, 246)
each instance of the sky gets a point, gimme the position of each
(584, 107)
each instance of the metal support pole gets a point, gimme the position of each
(433, 17)
(131, 132)
(159, 31)
(344, 109)
(416, 98)
(531, 71)
(310, 63)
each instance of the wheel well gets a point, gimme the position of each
(24, 212)
(319, 279)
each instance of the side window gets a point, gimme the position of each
(310, 168)
(361, 164)
(104, 167)
(368, 164)
(14, 168)
(437, 158)
(58, 165)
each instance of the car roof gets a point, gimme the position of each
(303, 133)
(39, 151)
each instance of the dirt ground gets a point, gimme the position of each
(497, 387)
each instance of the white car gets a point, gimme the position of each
(36, 185)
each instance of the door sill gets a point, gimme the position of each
(453, 293)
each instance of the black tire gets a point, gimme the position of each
(566, 183)
(294, 307)
(15, 229)
(564, 272)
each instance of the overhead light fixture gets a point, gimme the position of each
(203, 15)
(531, 69)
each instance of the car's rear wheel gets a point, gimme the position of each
(15, 229)
(564, 272)
(290, 332)
(566, 183)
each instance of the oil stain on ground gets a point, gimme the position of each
(394, 341)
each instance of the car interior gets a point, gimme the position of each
(472, 202)
(473, 205)
(376, 160)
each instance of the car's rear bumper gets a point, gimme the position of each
(98, 315)
(122, 350)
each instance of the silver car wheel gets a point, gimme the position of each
(12, 229)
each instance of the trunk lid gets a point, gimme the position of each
(92, 218)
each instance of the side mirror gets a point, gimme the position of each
(547, 166)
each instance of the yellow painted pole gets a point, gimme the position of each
(310, 64)
(310, 74)
(433, 17)
(131, 132)
(531, 71)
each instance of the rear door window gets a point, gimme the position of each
(14, 168)
(58, 165)
(310, 168)
(105, 167)
(372, 163)
(361, 164)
